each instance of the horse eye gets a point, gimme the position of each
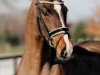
(45, 11)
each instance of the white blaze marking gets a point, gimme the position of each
(69, 46)
(58, 10)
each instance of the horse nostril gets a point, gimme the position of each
(64, 53)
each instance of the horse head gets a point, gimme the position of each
(52, 25)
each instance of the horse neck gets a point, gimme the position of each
(30, 63)
(31, 59)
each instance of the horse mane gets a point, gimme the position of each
(82, 63)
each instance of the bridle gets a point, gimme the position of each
(50, 34)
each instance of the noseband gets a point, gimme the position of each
(58, 31)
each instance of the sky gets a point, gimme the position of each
(81, 9)
(78, 9)
(17, 4)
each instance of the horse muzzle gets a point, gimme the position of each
(63, 56)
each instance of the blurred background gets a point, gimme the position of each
(83, 19)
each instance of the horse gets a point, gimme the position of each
(48, 47)
(86, 59)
